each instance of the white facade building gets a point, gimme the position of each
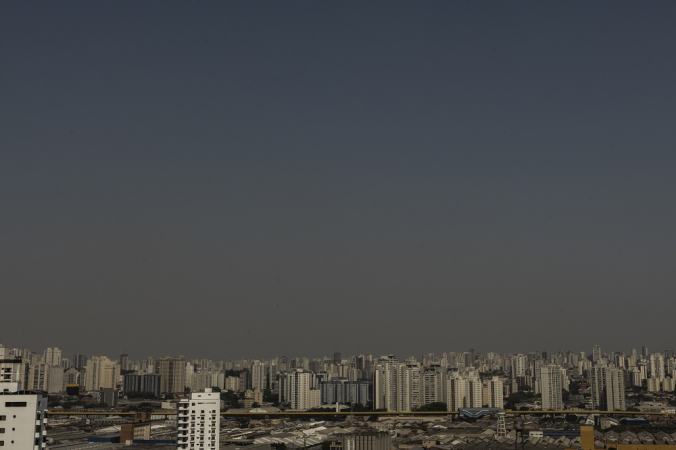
(552, 388)
(495, 393)
(300, 394)
(22, 413)
(199, 421)
(392, 386)
(608, 389)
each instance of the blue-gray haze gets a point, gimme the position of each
(226, 179)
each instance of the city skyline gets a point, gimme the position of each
(137, 356)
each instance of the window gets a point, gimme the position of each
(15, 404)
(3, 417)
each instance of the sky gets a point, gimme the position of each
(255, 179)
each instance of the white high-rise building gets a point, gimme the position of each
(596, 353)
(11, 369)
(432, 384)
(552, 388)
(414, 371)
(392, 385)
(608, 389)
(495, 393)
(299, 392)
(657, 366)
(199, 421)
(23, 420)
(473, 392)
(455, 391)
(22, 413)
(518, 366)
(258, 376)
(52, 356)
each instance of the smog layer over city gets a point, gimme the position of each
(374, 225)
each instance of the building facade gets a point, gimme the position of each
(199, 421)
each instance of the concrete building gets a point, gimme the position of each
(55, 380)
(607, 385)
(473, 391)
(343, 391)
(22, 413)
(298, 390)
(11, 370)
(140, 429)
(455, 391)
(596, 353)
(22, 420)
(364, 441)
(392, 386)
(172, 374)
(258, 376)
(518, 366)
(657, 366)
(199, 421)
(495, 393)
(141, 382)
(551, 387)
(52, 356)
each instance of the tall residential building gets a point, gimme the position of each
(392, 386)
(518, 366)
(79, 361)
(608, 389)
(455, 391)
(473, 391)
(432, 385)
(124, 362)
(172, 374)
(657, 366)
(11, 372)
(495, 393)
(52, 356)
(414, 390)
(596, 353)
(22, 413)
(297, 388)
(258, 378)
(23, 420)
(199, 419)
(551, 385)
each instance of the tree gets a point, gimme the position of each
(435, 406)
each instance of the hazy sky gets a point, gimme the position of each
(227, 179)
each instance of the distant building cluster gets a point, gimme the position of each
(468, 379)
